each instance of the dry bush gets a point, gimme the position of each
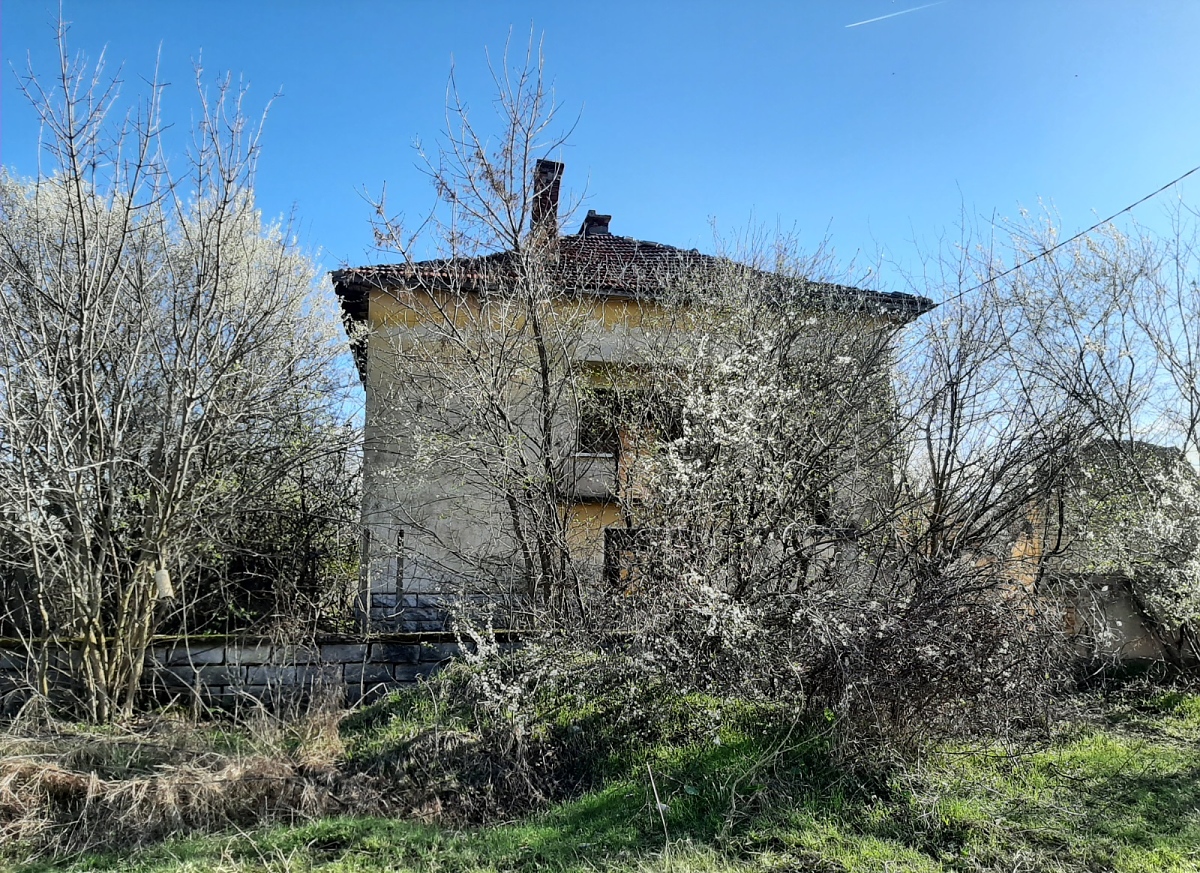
(68, 789)
(879, 673)
(446, 754)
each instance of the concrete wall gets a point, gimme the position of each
(438, 525)
(1104, 620)
(233, 672)
(436, 529)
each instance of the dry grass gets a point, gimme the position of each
(68, 788)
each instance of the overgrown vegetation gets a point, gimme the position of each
(795, 534)
(172, 433)
(67, 787)
(661, 782)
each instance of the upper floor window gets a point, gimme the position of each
(612, 420)
(599, 423)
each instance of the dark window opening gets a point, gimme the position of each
(599, 413)
(608, 417)
(663, 417)
(633, 555)
(364, 566)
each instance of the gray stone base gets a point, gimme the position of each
(410, 613)
(249, 671)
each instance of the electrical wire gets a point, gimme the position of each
(1058, 246)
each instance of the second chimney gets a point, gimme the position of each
(543, 213)
(595, 224)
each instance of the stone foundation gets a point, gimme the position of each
(229, 671)
(412, 613)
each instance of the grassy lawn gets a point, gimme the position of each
(1121, 792)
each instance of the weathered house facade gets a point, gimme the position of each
(507, 405)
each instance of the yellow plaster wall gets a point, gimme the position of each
(403, 308)
(585, 528)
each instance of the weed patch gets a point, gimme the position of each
(66, 789)
(750, 788)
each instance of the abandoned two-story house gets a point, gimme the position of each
(498, 390)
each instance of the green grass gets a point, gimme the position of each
(1118, 793)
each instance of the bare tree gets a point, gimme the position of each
(760, 460)
(163, 365)
(474, 422)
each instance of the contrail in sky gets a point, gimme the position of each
(894, 14)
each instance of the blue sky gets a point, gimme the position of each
(877, 135)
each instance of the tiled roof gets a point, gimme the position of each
(598, 263)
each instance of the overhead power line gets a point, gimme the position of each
(1058, 246)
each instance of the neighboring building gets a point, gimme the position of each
(434, 334)
(1118, 543)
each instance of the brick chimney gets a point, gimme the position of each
(594, 224)
(547, 175)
